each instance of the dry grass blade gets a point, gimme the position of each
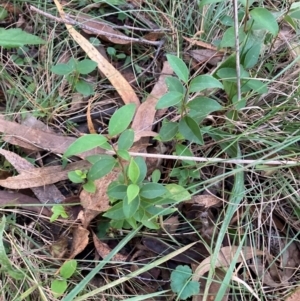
(114, 76)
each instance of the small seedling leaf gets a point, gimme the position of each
(89, 186)
(75, 177)
(58, 210)
(203, 82)
(133, 171)
(68, 268)
(15, 37)
(168, 131)
(152, 190)
(58, 287)
(86, 66)
(181, 284)
(202, 107)
(101, 168)
(85, 143)
(116, 212)
(117, 192)
(84, 88)
(228, 39)
(132, 192)
(124, 154)
(126, 139)
(142, 168)
(263, 19)
(62, 69)
(190, 130)
(175, 85)
(121, 119)
(179, 67)
(168, 100)
(156, 175)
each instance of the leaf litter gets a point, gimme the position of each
(204, 211)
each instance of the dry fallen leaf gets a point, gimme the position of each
(80, 241)
(95, 203)
(295, 296)
(11, 198)
(206, 200)
(86, 20)
(103, 249)
(39, 139)
(200, 43)
(214, 287)
(114, 76)
(224, 259)
(46, 193)
(31, 177)
(144, 117)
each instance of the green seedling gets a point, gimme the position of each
(74, 70)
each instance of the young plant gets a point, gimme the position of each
(66, 271)
(135, 199)
(181, 283)
(73, 71)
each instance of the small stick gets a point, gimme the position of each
(70, 21)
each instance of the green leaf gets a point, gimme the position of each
(183, 150)
(15, 37)
(203, 82)
(202, 107)
(168, 100)
(121, 119)
(84, 88)
(229, 74)
(175, 85)
(101, 168)
(84, 143)
(126, 139)
(58, 210)
(190, 130)
(150, 222)
(58, 287)
(177, 193)
(68, 268)
(5, 263)
(62, 69)
(263, 19)
(133, 171)
(130, 208)
(168, 131)
(124, 154)
(94, 158)
(116, 212)
(179, 67)
(257, 86)
(156, 174)
(89, 186)
(152, 190)
(86, 66)
(228, 39)
(117, 192)
(132, 192)
(142, 168)
(75, 177)
(181, 284)
(252, 56)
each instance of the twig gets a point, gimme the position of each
(216, 160)
(70, 21)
